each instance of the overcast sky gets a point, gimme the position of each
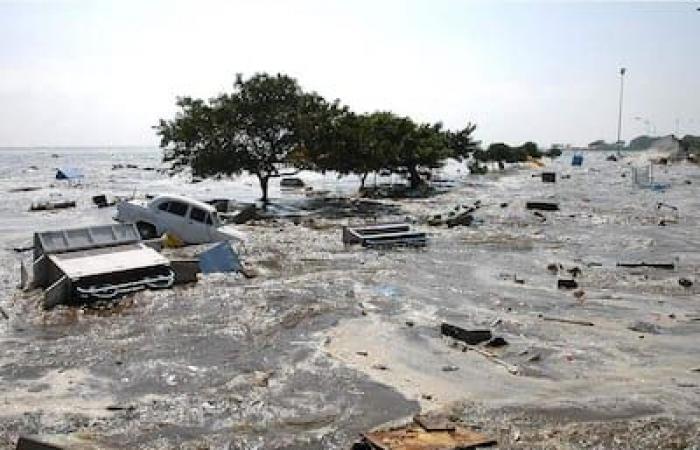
(103, 72)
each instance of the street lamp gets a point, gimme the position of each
(619, 115)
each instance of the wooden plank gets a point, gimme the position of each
(434, 423)
(415, 437)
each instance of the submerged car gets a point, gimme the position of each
(192, 221)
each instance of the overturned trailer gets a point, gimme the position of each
(96, 263)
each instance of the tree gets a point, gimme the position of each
(268, 123)
(257, 128)
(342, 141)
(461, 143)
(503, 152)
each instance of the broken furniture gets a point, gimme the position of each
(96, 263)
(383, 235)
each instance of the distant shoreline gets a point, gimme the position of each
(78, 147)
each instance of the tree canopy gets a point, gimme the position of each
(269, 124)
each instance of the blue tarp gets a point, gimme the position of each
(220, 258)
(69, 173)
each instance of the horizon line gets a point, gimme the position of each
(68, 147)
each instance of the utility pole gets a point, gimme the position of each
(619, 115)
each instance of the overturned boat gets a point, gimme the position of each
(96, 263)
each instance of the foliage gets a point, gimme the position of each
(461, 142)
(553, 152)
(256, 128)
(268, 124)
(503, 152)
(691, 144)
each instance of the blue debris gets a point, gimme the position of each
(69, 173)
(577, 160)
(659, 187)
(387, 290)
(220, 259)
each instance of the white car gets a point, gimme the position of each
(192, 221)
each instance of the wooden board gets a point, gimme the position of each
(415, 437)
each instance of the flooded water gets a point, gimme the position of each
(329, 341)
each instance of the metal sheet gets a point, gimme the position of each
(89, 237)
(107, 260)
(219, 259)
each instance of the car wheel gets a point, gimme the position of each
(147, 230)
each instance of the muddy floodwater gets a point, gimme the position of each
(330, 341)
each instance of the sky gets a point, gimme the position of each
(98, 73)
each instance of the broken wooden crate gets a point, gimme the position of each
(425, 433)
(96, 263)
(384, 235)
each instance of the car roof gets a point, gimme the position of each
(181, 198)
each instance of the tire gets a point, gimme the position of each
(147, 230)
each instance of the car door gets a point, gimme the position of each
(174, 219)
(199, 225)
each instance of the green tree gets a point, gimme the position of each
(503, 152)
(461, 142)
(257, 129)
(343, 142)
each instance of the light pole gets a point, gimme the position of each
(619, 115)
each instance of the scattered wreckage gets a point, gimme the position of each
(105, 262)
(425, 432)
(96, 263)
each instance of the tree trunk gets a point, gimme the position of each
(363, 177)
(263, 179)
(414, 177)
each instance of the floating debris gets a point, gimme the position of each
(291, 182)
(50, 206)
(567, 284)
(666, 266)
(471, 337)
(542, 206)
(549, 177)
(383, 235)
(96, 263)
(424, 434)
(584, 323)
